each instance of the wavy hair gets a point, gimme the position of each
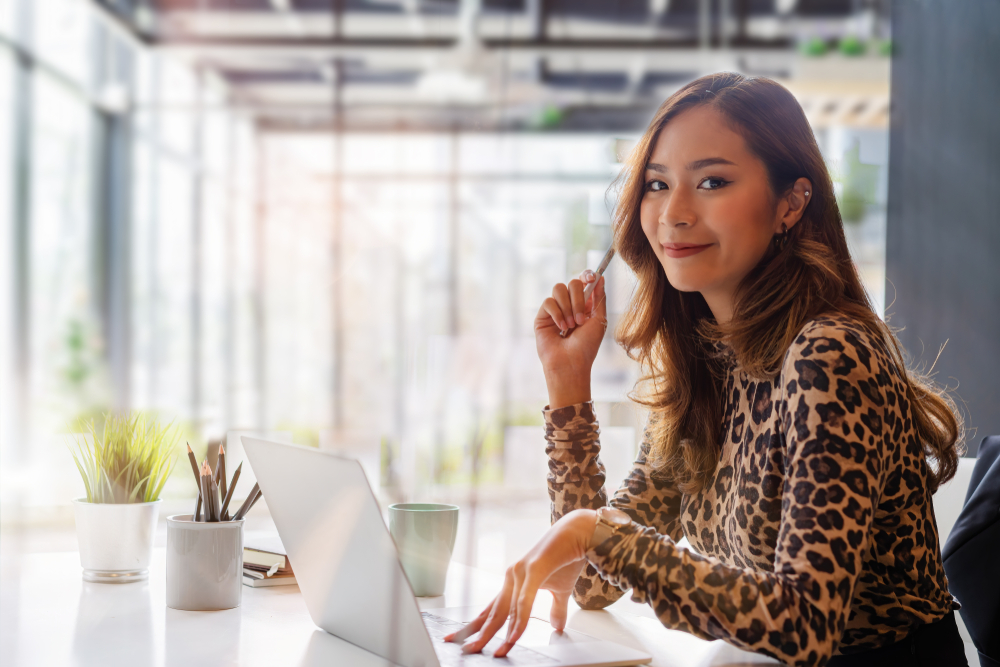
(683, 351)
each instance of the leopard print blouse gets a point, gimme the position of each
(816, 536)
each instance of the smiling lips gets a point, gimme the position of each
(683, 249)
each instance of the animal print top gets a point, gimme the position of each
(816, 536)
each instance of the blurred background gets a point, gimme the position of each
(333, 221)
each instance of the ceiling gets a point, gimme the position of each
(486, 64)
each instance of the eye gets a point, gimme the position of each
(719, 182)
(655, 186)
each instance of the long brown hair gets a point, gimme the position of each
(675, 337)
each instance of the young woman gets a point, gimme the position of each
(787, 440)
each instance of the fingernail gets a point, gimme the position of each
(579, 318)
(588, 276)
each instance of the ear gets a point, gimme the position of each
(793, 204)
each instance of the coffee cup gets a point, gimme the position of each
(425, 538)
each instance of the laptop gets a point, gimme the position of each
(354, 585)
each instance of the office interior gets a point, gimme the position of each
(333, 221)
(338, 226)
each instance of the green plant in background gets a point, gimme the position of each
(851, 46)
(84, 382)
(129, 462)
(815, 46)
(548, 117)
(857, 184)
(885, 47)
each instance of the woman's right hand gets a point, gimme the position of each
(567, 361)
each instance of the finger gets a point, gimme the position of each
(561, 294)
(497, 617)
(597, 304)
(525, 600)
(514, 596)
(559, 610)
(577, 302)
(551, 308)
(472, 627)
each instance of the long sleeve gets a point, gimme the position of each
(576, 480)
(832, 474)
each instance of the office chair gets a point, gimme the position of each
(972, 554)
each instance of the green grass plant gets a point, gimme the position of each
(129, 462)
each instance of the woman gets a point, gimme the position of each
(787, 440)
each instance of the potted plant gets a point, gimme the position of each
(123, 470)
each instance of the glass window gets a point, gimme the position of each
(62, 36)
(7, 266)
(67, 372)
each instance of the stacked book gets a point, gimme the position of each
(265, 562)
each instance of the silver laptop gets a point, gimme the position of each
(354, 586)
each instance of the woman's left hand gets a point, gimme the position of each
(554, 564)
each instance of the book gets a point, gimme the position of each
(264, 552)
(270, 581)
(260, 574)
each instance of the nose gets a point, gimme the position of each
(677, 209)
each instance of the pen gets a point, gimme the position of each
(589, 289)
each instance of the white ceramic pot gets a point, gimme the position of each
(116, 540)
(204, 564)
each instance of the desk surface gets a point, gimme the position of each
(50, 616)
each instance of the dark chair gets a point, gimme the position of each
(972, 554)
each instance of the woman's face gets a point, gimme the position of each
(703, 188)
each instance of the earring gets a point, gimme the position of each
(807, 193)
(781, 239)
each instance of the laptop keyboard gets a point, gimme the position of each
(451, 654)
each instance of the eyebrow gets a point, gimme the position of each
(692, 166)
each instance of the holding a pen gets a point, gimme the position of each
(569, 328)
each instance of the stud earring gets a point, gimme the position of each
(807, 193)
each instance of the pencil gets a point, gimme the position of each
(255, 499)
(194, 464)
(213, 490)
(196, 516)
(244, 512)
(206, 491)
(229, 494)
(197, 478)
(245, 507)
(220, 471)
(589, 289)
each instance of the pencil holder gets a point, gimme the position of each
(204, 564)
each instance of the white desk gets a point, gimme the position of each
(50, 616)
